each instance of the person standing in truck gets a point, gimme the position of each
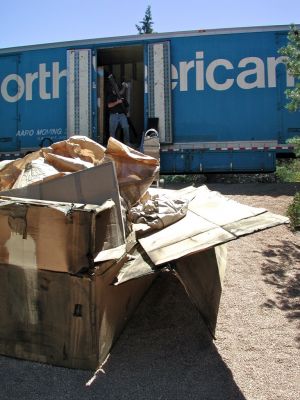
(117, 108)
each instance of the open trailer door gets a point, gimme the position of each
(80, 84)
(159, 88)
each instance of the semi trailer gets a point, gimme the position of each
(215, 97)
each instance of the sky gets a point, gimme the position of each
(26, 22)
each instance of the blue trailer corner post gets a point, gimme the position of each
(217, 96)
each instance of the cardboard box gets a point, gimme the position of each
(91, 186)
(73, 321)
(201, 274)
(55, 236)
(62, 319)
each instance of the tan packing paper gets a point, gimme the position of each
(135, 171)
(76, 153)
(36, 171)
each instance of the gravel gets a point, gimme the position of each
(165, 352)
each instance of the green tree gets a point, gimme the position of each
(291, 173)
(146, 24)
(292, 61)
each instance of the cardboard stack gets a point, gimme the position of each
(71, 274)
(58, 305)
(64, 319)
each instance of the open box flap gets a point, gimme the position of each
(212, 219)
(137, 266)
(202, 276)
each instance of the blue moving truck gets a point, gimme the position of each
(216, 97)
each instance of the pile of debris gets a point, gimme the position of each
(82, 236)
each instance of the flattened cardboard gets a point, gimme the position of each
(55, 236)
(255, 224)
(219, 209)
(91, 186)
(212, 219)
(62, 319)
(189, 235)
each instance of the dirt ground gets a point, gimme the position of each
(165, 352)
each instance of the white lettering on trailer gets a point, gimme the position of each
(262, 76)
(12, 98)
(49, 132)
(272, 63)
(174, 74)
(258, 71)
(29, 78)
(56, 78)
(40, 132)
(210, 74)
(25, 85)
(43, 75)
(252, 66)
(184, 68)
(25, 132)
(199, 70)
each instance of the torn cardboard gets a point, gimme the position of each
(94, 306)
(56, 236)
(194, 248)
(91, 186)
(61, 319)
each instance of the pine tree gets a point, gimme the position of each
(146, 24)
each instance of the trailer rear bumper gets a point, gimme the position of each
(218, 160)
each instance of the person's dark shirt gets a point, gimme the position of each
(111, 98)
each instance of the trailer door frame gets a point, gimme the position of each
(158, 87)
(81, 91)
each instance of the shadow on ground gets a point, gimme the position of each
(165, 352)
(281, 269)
(256, 189)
